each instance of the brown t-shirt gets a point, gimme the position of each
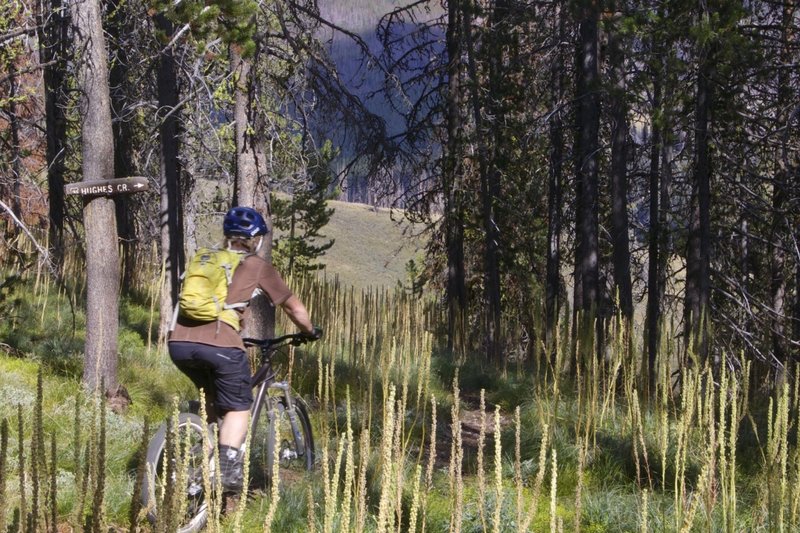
(253, 275)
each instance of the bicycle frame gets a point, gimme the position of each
(264, 379)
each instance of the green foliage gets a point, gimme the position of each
(302, 216)
(233, 21)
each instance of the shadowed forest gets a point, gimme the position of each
(601, 330)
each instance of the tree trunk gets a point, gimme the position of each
(52, 28)
(653, 316)
(171, 206)
(249, 189)
(698, 256)
(780, 190)
(586, 169)
(453, 211)
(102, 254)
(619, 179)
(118, 30)
(487, 179)
(16, 165)
(554, 199)
(491, 176)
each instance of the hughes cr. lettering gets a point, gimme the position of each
(108, 187)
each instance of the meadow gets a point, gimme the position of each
(408, 438)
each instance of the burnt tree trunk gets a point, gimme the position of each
(619, 179)
(118, 30)
(586, 168)
(452, 176)
(698, 256)
(554, 198)
(102, 254)
(654, 251)
(52, 26)
(171, 208)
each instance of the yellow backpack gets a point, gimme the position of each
(205, 287)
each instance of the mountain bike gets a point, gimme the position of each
(179, 452)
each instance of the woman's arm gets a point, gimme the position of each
(298, 314)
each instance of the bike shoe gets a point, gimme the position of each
(231, 469)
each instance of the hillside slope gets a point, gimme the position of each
(370, 248)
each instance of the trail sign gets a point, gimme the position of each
(108, 187)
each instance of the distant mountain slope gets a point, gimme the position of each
(370, 248)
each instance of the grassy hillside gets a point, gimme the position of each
(370, 248)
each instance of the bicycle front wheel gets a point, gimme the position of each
(174, 491)
(290, 432)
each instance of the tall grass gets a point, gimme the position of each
(571, 441)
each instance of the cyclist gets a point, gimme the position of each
(212, 353)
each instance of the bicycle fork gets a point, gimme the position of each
(300, 448)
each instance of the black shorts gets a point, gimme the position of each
(225, 372)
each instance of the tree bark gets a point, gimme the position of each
(487, 181)
(16, 165)
(171, 206)
(118, 31)
(586, 170)
(491, 176)
(653, 316)
(698, 257)
(554, 197)
(52, 29)
(619, 179)
(250, 188)
(454, 218)
(102, 254)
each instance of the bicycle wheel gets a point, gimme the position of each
(295, 453)
(164, 467)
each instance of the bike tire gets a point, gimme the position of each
(197, 505)
(281, 432)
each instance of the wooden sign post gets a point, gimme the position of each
(108, 187)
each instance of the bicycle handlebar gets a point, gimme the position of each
(295, 339)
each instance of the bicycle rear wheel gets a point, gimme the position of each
(296, 452)
(184, 462)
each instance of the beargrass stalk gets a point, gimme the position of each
(349, 468)
(332, 492)
(398, 459)
(642, 443)
(456, 461)
(518, 466)
(722, 423)
(363, 464)
(554, 492)
(136, 511)
(311, 523)
(167, 487)
(275, 493)
(240, 507)
(77, 446)
(210, 457)
(430, 465)
(387, 442)
(3, 473)
(702, 485)
(23, 509)
(415, 500)
(481, 468)
(37, 453)
(498, 471)
(783, 405)
(643, 522)
(539, 481)
(326, 484)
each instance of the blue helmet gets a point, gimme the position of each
(244, 222)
